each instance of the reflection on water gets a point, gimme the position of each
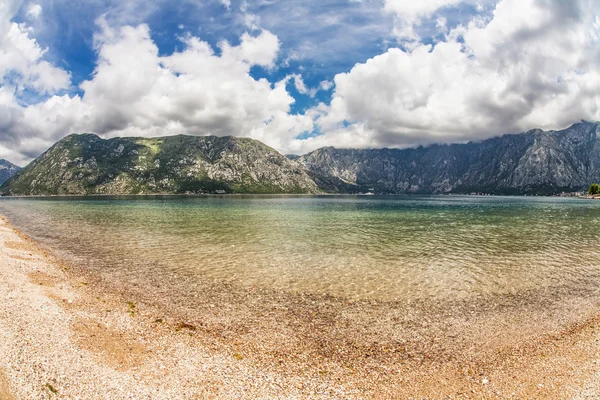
(403, 247)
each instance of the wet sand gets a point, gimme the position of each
(69, 332)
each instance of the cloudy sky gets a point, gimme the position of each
(296, 75)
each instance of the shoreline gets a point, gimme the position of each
(65, 333)
(577, 195)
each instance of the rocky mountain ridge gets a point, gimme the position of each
(535, 162)
(88, 164)
(7, 169)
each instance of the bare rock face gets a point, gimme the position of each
(88, 164)
(7, 169)
(535, 162)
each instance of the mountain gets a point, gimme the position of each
(88, 164)
(535, 162)
(7, 169)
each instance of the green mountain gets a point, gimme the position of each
(535, 162)
(88, 164)
(7, 169)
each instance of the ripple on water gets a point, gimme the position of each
(357, 247)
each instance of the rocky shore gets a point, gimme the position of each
(67, 335)
(590, 196)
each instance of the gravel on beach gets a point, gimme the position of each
(64, 336)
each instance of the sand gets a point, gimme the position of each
(68, 335)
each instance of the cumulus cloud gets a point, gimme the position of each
(22, 63)
(411, 13)
(134, 91)
(413, 10)
(534, 64)
(529, 64)
(260, 50)
(34, 11)
(22, 67)
(300, 85)
(326, 85)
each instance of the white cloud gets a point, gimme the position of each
(535, 64)
(34, 11)
(252, 21)
(300, 85)
(134, 91)
(414, 10)
(326, 85)
(317, 31)
(411, 13)
(22, 67)
(260, 50)
(532, 63)
(21, 57)
(441, 24)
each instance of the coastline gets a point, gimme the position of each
(65, 334)
(324, 194)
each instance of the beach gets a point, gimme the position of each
(65, 333)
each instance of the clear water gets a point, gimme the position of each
(365, 247)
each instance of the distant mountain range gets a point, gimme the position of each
(7, 169)
(535, 162)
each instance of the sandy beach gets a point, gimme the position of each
(67, 334)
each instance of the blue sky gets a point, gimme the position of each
(296, 75)
(318, 39)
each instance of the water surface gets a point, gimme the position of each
(358, 247)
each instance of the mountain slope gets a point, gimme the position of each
(535, 162)
(7, 169)
(88, 164)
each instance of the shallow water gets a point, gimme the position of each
(359, 247)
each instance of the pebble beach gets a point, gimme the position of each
(68, 335)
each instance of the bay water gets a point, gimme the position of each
(355, 247)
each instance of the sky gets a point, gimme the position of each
(296, 75)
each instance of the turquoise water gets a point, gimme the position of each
(358, 247)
